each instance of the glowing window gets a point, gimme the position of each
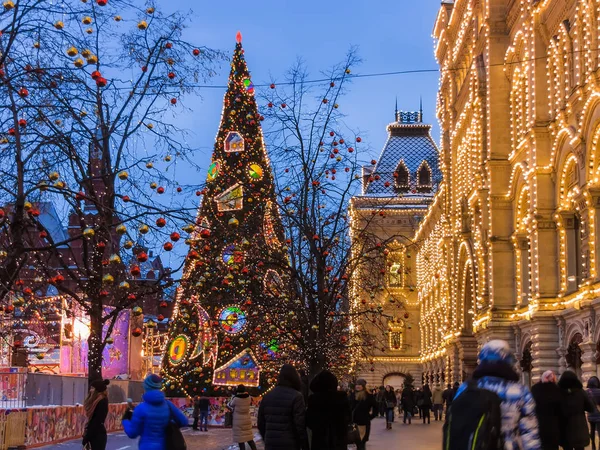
(234, 142)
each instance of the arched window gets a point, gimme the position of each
(402, 177)
(424, 178)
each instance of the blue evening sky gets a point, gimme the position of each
(391, 35)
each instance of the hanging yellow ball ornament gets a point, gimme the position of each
(124, 285)
(144, 229)
(188, 228)
(142, 25)
(149, 165)
(54, 176)
(59, 25)
(121, 229)
(93, 59)
(114, 259)
(85, 53)
(150, 10)
(153, 185)
(88, 233)
(27, 206)
(128, 244)
(123, 175)
(118, 18)
(108, 279)
(40, 355)
(109, 341)
(78, 62)
(233, 222)
(59, 184)
(137, 311)
(8, 5)
(72, 51)
(86, 20)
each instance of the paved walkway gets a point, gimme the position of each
(415, 436)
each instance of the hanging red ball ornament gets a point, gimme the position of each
(175, 236)
(142, 257)
(23, 92)
(101, 2)
(135, 271)
(179, 189)
(161, 222)
(144, 68)
(173, 101)
(96, 74)
(406, 315)
(196, 52)
(136, 332)
(358, 139)
(79, 196)
(171, 75)
(168, 246)
(169, 45)
(126, 198)
(160, 190)
(101, 82)
(270, 104)
(283, 105)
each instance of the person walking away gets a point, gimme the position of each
(593, 390)
(96, 410)
(364, 409)
(328, 413)
(437, 398)
(493, 400)
(547, 396)
(448, 396)
(575, 433)
(380, 397)
(408, 402)
(399, 401)
(390, 404)
(204, 409)
(281, 414)
(242, 424)
(426, 404)
(196, 413)
(151, 417)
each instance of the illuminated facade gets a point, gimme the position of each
(509, 247)
(397, 190)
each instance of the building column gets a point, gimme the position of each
(545, 340)
(588, 357)
(467, 350)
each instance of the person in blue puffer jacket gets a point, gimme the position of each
(151, 417)
(496, 373)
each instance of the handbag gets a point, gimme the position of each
(390, 405)
(352, 434)
(173, 434)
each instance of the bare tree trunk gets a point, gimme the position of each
(95, 346)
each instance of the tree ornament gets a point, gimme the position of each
(59, 25)
(101, 82)
(142, 25)
(23, 92)
(114, 259)
(72, 51)
(137, 332)
(123, 175)
(196, 52)
(142, 257)
(88, 233)
(137, 311)
(135, 271)
(168, 246)
(95, 75)
(101, 2)
(144, 229)
(121, 229)
(175, 236)
(108, 279)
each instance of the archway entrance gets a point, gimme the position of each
(395, 380)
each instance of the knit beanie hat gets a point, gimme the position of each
(496, 351)
(100, 385)
(152, 383)
(362, 382)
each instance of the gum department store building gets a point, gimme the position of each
(507, 244)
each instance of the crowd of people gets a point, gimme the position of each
(493, 407)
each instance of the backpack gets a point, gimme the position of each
(474, 421)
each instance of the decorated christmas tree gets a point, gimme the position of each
(232, 291)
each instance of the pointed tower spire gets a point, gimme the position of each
(421, 109)
(396, 115)
(234, 277)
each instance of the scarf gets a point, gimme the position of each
(92, 400)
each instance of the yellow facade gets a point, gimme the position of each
(509, 248)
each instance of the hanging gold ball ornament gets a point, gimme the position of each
(233, 222)
(54, 176)
(40, 355)
(86, 20)
(72, 51)
(149, 165)
(118, 18)
(128, 244)
(153, 185)
(114, 259)
(92, 59)
(137, 311)
(188, 228)
(59, 25)
(144, 229)
(121, 229)
(108, 279)
(124, 285)
(78, 63)
(168, 158)
(8, 5)
(123, 175)
(109, 340)
(3, 254)
(36, 45)
(27, 206)
(142, 25)
(88, 233)
(60, 184)
(85, 52)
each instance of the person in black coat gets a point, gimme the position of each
(593, 390)
(574, 403)
(408, 402)
(547, 398)
(389, 397)
(426, 404)
(281, 414)
(96, 410)
(364, 409)
(328, 413)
